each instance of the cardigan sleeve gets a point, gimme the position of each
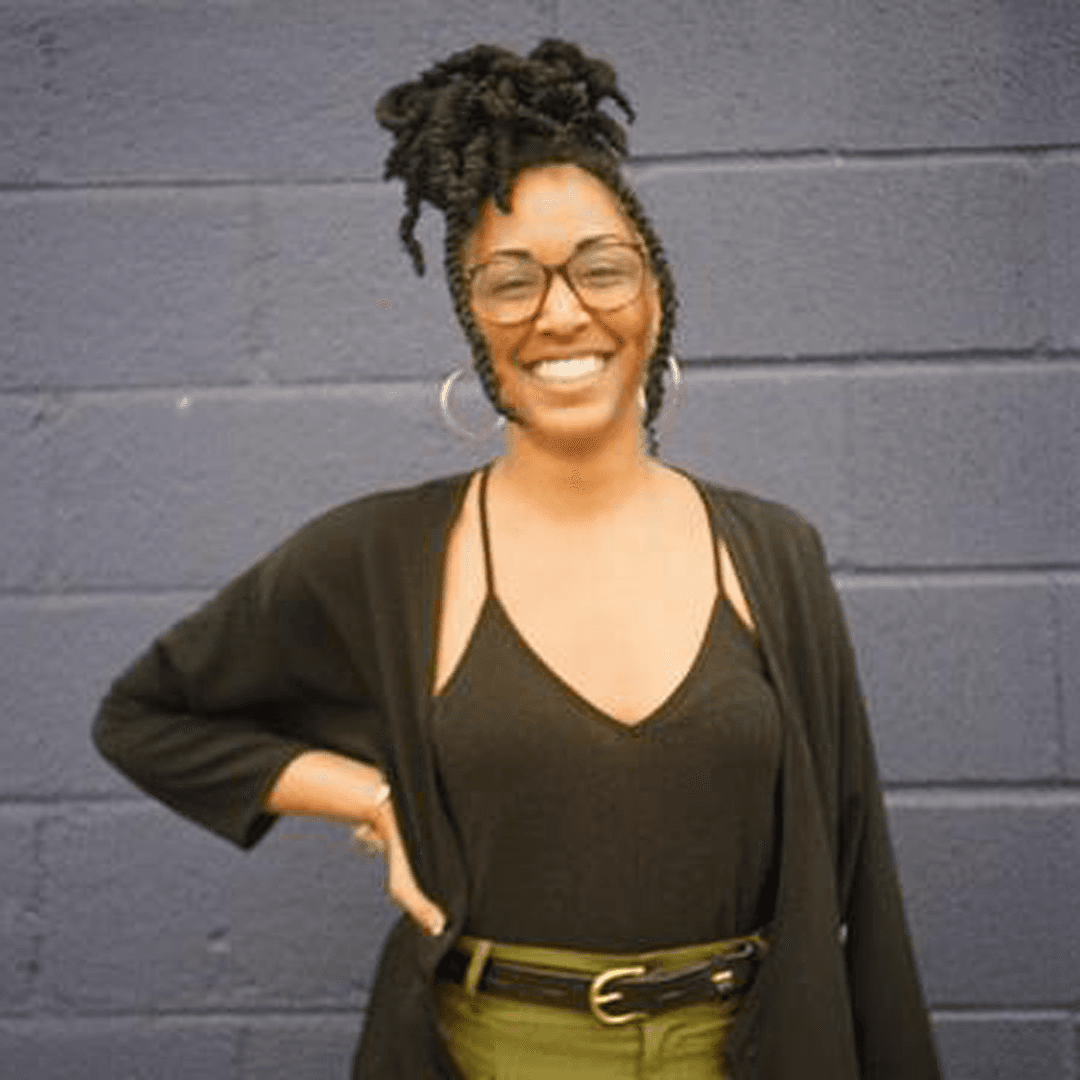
(891, 1021)
(207, 718)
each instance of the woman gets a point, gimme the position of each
(601, 716)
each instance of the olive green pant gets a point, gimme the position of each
(497, 1038)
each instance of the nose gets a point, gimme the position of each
(561, 311)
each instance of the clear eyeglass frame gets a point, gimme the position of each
(512, 315)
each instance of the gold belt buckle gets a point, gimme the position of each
(596, 999)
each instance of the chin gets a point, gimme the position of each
(581, 427)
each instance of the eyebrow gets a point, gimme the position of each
(589, 241)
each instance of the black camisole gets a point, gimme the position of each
(582, 831)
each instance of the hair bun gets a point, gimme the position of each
(467, 124)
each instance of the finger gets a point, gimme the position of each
(415, 904)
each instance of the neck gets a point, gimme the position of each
(577, 486)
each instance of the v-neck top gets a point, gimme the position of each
(584, 831)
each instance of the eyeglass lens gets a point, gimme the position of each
(509, 288)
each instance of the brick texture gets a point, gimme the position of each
(208, 90)
(985, 884)
(959, 679)
(1067, 595)
(830, 74)
(133, 1049)
(151, 284)
(991, 1045)
(62, 654)
(287, 1047)
(966, 465)
(1063, 196)
(19, 895)
(834, 258)
(212, 333)
(26, 467)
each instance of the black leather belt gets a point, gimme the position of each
(639, 990)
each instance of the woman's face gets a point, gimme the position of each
(555, 209)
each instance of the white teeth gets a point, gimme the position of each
(575, 368)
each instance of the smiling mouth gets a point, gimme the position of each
(571, 369)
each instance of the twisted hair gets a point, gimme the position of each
(468, 126)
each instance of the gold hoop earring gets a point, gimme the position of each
(454, 425)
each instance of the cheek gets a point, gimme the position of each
(502, 344)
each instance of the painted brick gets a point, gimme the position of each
(26, 467)
(126, 90)
(340, 295)
(267, 267)
(981, 1047)
(966, 465)
(958, 678)
(130, 288)
(778, 434)
(61, 654)
(155, 492)
(308, 916)
(134, 912)
(19, 887)
(121, 90)
(824, 259)
(1039, 44)
(141, 1049)
(1063, 237)
(831, 74)
(990, 895)
(24, 75)
(1067, 602)
(145, 912)
(288, 1048)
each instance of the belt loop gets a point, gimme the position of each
(476, 965)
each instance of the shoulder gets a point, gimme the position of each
(353, 543)
(392, 514)
(770, 529)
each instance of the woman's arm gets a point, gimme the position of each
(323, 784)
(220, 706)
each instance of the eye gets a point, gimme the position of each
(603, 273)
(606, 275)
(610, 266)
(510, 289)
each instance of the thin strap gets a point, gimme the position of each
(712, 533)
(484, 526)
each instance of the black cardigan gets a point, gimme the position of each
(328, 642)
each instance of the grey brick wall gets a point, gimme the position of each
(873, 214)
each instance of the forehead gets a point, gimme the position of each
(552, 208)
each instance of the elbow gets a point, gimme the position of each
(107, 731)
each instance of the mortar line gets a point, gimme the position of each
(865, 363)
(766, 158)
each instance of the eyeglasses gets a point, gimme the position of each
(512, 288)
